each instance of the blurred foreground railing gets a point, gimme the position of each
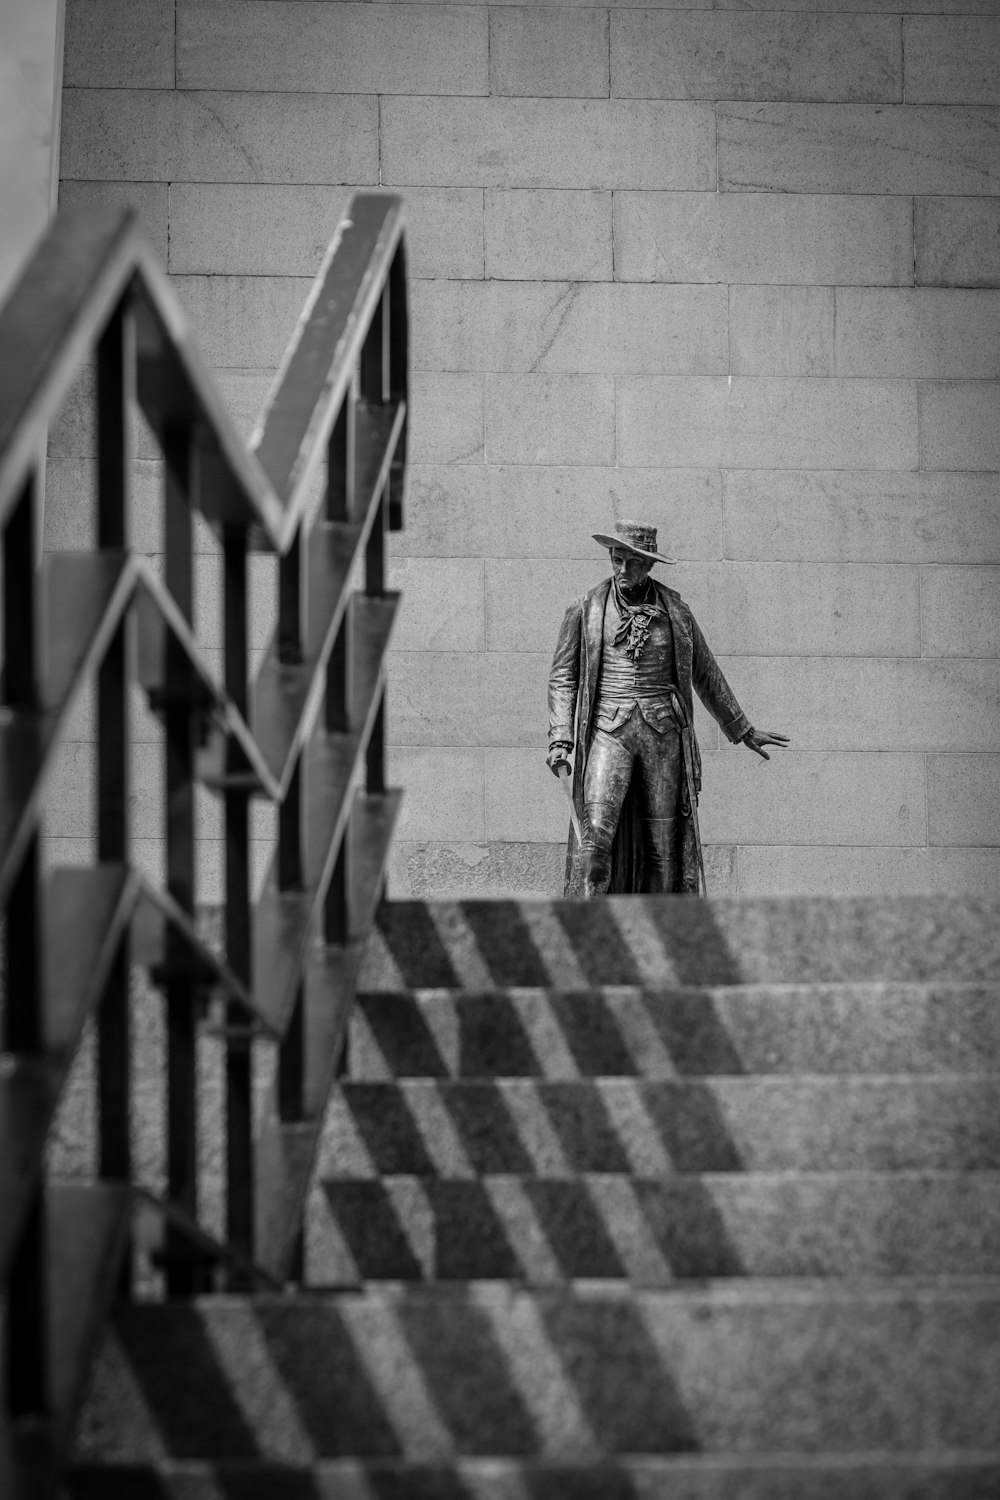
(306, 733)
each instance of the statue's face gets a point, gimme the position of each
(629, 569)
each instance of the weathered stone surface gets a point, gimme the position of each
(446, 419)
(148, 199)
(447, 512)
(575, 1030)
(960, 425)
(71, 507)
(560, 143)
(902, 703)
(162, 135)
(975, 872)
(260, 230)
(781, 330)
(547, 1231)
(301, 46)
(858, 148)
(600, 328)
(763, 238)
(243, 321)
(677, 55)
(801, 798)
(119, 44)
(460, 871)
(553, 512)
(960, 611)
(245, 392)
(524, 802)
(443, 606)
(829, 870)
(705, 1369)
(515, 689)
(543, 236)
(765, 423)
(890, 517)
(926, 333)
(548, 53)
(443, 792)
(957, 241)
(963, 799)
(435, 697)
(781, 609)
(952, 60)
(550, 419)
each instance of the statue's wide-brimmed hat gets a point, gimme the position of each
(637, 537)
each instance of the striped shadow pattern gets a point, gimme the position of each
(577, 1377)
(655, 1232)
(826, 1477)
(682, 941)
(515, 1126)
(627, 1031)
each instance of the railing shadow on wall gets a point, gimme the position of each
(304, 733)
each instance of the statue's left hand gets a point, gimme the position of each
(756, 739)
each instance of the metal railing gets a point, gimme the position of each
(304, 732)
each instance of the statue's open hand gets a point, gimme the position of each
(756, 739)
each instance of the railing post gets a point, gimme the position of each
(116, 375)
(27, 1373)
(375, 354)
(179, 501)
(22, 603)
(398, 378)
(240, 1197)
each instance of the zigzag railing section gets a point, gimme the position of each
(308, 733)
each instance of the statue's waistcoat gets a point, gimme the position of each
(625, 684)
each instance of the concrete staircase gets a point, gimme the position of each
(645, 1198)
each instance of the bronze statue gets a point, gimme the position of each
(628, 655)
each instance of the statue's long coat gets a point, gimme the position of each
(572, 687)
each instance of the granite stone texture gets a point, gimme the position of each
(729, 268)
(662, 54)
(957, 241)
(554, 1374)
(471, 1128)
(656, 1232)
(538, 327)
(763, 239)
(858, 148)
(119, 44)
(549, 54)
(332, 49)
(684, 940)
(824, 1477)
(627, 1031)
(548, 236)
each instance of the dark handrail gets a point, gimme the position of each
(302, 733)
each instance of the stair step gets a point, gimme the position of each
(746, 1477)
(654, 1129)
(546, 1231)
(627, 1031)
(683, 940)
(572, 1376)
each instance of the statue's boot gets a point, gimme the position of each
(598, 836)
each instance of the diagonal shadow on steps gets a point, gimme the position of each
(692, 948)
(693, 1032)
(164, 1345)
(630, 1401)
(469, 1381)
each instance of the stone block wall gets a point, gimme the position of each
(732, 270)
